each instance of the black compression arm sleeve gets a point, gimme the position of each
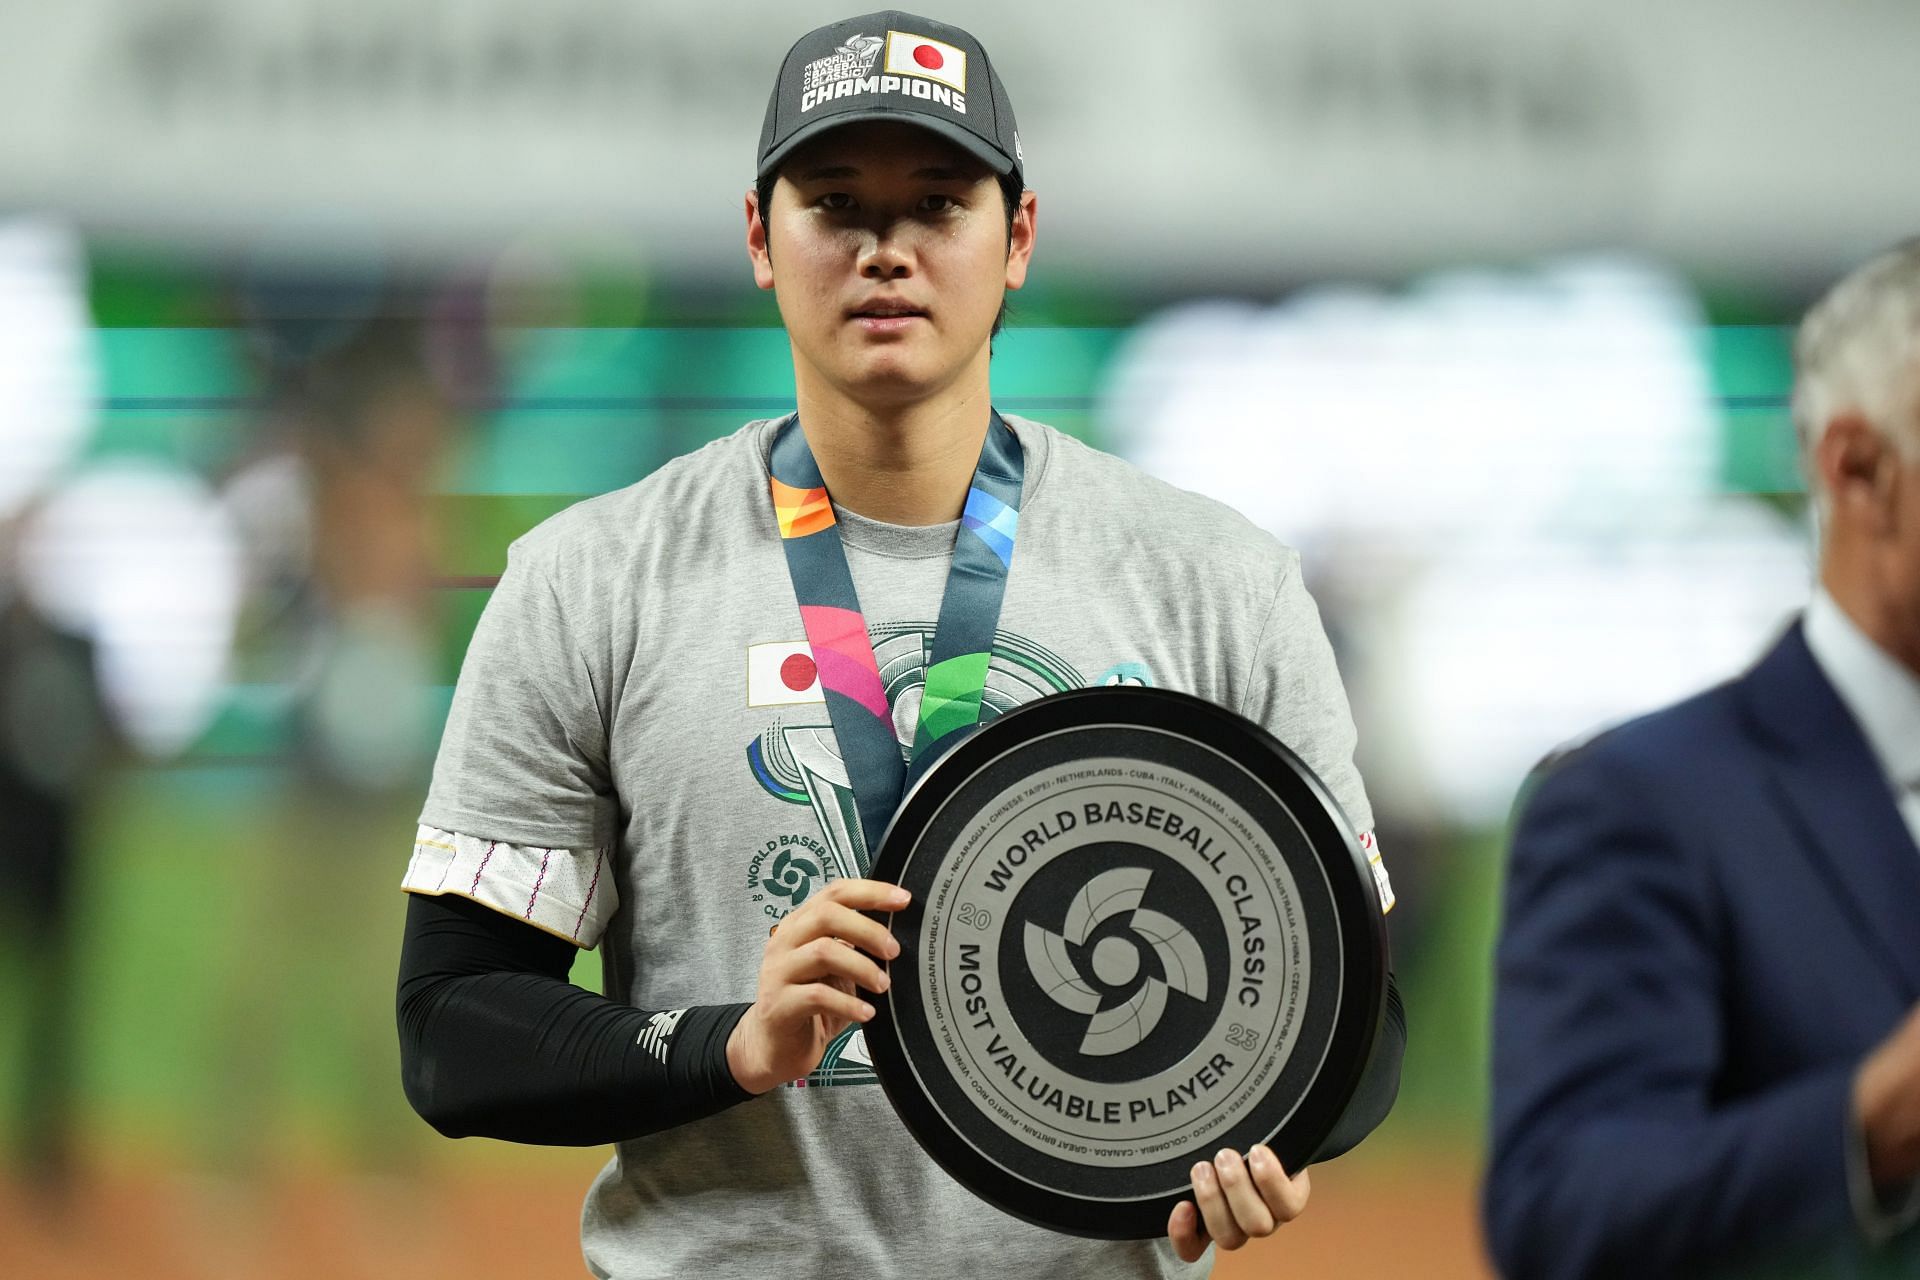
(495, 1042)
(1379, 1086)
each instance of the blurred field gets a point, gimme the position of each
(1373, 1216)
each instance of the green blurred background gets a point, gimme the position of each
(239, 913)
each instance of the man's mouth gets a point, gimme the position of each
(887, 311)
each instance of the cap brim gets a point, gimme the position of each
(967, 140)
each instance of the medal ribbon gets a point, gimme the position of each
(837, 631)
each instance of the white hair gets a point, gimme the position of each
(1858, 351)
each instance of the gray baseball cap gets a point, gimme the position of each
(891, 66)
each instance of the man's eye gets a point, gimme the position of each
(836, 200)
(936, 204)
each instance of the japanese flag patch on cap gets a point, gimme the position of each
(912, 55)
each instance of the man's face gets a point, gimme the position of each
(1900, 570)
(1871, 532)
(888, 252)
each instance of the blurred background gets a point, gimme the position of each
(308, 309)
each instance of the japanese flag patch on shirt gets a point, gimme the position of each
(782, 675)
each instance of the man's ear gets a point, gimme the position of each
(757, 250)
(1020, 239)
(1858, 466)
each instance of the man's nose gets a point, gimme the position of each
(883, 257)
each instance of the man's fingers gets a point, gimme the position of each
(1287, 1197)
(1214, 1212)
(829, 919)
(1234, 1201)
(1187, 1232)
(819, 998)
(1250, 1210)
(853, 928)
(827, 958)
(866, 895)
(817, 958)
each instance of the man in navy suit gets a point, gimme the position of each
(1706, 1051)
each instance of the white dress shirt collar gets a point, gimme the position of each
(1882, 694)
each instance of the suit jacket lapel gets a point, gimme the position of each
(1838, 801)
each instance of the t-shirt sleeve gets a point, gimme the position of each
(523, 759)
(1294, 691)
(565, 892)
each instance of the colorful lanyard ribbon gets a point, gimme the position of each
(837, 630)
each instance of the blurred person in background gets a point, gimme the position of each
(53, 737)
(334, 501)
(1706, 1049)
(591, 785)
(55, 733)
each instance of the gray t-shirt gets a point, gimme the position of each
(638, 757)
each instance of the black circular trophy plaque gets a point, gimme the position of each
(1141, 931)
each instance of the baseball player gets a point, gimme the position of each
(685, 717)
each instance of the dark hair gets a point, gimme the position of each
(1010, 191)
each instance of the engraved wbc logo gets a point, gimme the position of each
(1107, 980)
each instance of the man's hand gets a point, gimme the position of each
(814, 960)
(1886, 1102)
(1238, 1200)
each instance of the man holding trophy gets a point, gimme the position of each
(695, 706)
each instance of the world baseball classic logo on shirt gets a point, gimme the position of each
(796, 760)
